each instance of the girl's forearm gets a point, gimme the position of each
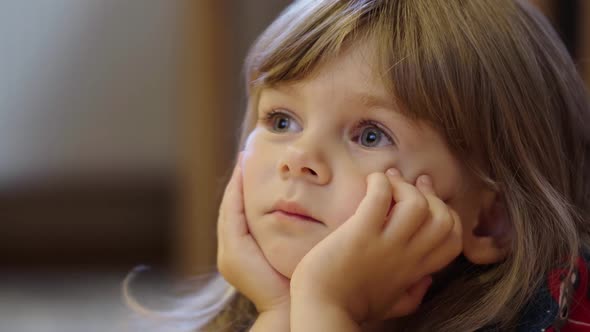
(311, 316)
(277, 320)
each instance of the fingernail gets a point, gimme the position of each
(393, 172)
(425, 179)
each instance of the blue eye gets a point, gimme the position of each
(280, 122)
(371, 135)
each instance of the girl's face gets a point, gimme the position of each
(314, 145)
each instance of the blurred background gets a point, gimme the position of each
(118, 126)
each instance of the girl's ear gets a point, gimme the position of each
(487, 239)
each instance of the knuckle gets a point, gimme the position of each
(453, 248)
(419, 204)
(445, 223)
(456, 222)
(458, 240)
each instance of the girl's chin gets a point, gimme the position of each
(284, 261)
(285, 252)
(286, 267)
(287, 271)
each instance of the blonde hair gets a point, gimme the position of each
(495, 80)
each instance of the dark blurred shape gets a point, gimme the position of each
(101, 220)
(568, 23)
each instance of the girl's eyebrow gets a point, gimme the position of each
(283, 89)
(368, 100)
(371, 101)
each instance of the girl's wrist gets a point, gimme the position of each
(311, 313)
(276, 319)
(279, 306)
(303, 298)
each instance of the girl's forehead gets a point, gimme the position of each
(364, 53)
(357, 65)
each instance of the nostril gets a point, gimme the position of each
(307, 169)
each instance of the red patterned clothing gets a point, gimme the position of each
(563, 303)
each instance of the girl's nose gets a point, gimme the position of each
(298, 163)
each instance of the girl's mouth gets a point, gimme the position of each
(293, 210)
(296, 216)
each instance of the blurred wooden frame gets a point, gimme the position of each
(582, 57)
(206, 106)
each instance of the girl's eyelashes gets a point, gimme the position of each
(367, 133)
(279, 121)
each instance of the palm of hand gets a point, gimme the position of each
(240, 259)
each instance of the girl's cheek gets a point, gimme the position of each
(350, 198)
(250, 140)
(253, 149)
(355, 188)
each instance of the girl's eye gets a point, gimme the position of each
(371, 135)
(280, 122)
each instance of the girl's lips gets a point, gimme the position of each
(296, 216)
(293, 210)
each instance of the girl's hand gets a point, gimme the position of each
(239, 258)
(377, 266)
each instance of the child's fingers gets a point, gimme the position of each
(410, 209)
(437, 227)
(425, 185)
(441, 255)
(232, 229)
(411, 299)
(373, 209)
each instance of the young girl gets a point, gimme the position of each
(407, 166)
